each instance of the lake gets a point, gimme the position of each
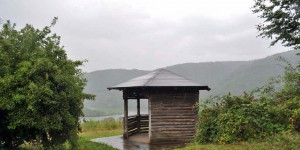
(117, 117)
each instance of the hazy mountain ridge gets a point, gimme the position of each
(98, 81)
(222, 77)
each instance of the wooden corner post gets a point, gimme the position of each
(138, 115)
(125, 125)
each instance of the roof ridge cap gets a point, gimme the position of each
(156, 73)
(188, 79)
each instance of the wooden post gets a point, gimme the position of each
(149, 118)
(138, 115)
(125, 134)
(197, 95)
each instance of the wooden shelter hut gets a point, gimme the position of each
(172, 115)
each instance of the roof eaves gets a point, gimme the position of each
(199, 87)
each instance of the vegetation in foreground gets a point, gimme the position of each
(253, 116)
(262, 119)
(90, 130)
(41, 89)
(111, 127)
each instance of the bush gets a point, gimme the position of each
(247, 117)
(41, 89)
(289, 96)
(240, 118)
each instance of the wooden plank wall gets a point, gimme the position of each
(173, 116)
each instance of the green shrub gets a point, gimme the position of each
(249, 117)
(289, 96)
(293, 106)
(240, 118)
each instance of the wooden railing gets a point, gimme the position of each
(138, 124)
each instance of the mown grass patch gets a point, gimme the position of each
(284, 140)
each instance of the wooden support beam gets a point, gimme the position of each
(149, 119)
(138, 115)
(125, 134)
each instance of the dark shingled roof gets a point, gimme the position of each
(159, 78)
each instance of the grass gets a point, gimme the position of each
(282, 141)
(105, 124)
(96, 129)
(90, 130)
(112, 127)
(85, 137)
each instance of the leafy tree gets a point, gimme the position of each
(41, 90)
(281, 21)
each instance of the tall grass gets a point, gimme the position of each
(106, 124)
(97, 129)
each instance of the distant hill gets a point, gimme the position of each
(107, 101)
(223, 77)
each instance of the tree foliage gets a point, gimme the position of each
(281, 21)
(41, 90)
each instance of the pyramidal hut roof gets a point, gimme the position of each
(159, 78)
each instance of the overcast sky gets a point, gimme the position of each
(146, 34)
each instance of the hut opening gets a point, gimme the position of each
(172, 115)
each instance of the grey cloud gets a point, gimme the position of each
(123, 37)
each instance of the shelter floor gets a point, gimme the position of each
(134, 142)
(142, 138)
